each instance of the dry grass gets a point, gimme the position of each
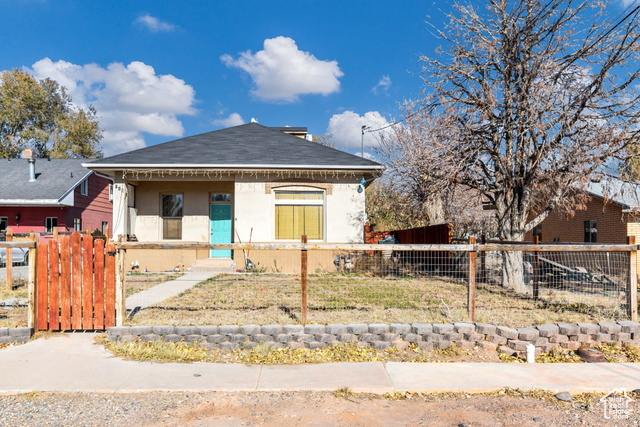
(357, 298)
(263, 354)
(12, 317)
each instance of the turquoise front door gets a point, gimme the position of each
(220, 216)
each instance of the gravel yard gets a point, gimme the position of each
(299, 408)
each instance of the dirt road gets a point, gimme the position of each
(292, 409)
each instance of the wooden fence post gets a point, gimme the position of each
(536, 269)
(471, 301)
(632, 284)
(9, 260)
(55, 233)
(303, 280)
(483, 261)
(31, 285)
(120, 307)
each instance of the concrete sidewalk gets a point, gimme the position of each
(73, 362)
(166, 290)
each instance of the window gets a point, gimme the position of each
(4, 223)
(105, 225)
(50, 223)
(84, 187)
(77, 224)
(172, 216)
(221, 197)
(591, 231)
(298, 213)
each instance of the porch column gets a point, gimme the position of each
(120, 207)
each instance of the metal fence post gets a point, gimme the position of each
(31, 284)
(632, 284)
(120, 307)
(9, 260)
(471, 300)
(303, 279)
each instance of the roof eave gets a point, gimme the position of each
(230, 166)
(32, 202)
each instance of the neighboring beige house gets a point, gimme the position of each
(235, 184)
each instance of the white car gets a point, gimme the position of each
(19, 256)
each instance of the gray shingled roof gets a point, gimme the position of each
(246, 146)
(54, 179)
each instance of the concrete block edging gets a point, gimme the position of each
(427, 336)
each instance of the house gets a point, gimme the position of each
(248, 182)
(37, 195)
(612, 213)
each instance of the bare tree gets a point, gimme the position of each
(527, 101)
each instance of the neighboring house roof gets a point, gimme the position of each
(55, 181)
(250, 146)
(621, 193)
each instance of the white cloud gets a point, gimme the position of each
(129, 99)
(234, 119)
(281, 72)
(382, 87)
(154, 24)
(346, 129)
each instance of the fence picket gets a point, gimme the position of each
(65, 283)
(76, 280)
(98, 285)
(54, 283)
(87, 282)
(110, 286)
(42, 287)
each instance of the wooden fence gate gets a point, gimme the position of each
(75, 284)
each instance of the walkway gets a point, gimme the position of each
(166, 290)
(73, 362)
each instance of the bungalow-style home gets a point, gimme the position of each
(37, 195)
(244, 183)
(611, 214)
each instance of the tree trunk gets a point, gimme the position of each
(513, 271)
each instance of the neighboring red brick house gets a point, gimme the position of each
(39, 194)
(612, 214)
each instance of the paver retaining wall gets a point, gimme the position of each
(382, 336)
(15, 335)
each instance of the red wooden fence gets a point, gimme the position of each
(74, 289)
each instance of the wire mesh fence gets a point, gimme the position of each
(295, 283)
(14, 279)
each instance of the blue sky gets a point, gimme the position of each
(156, 71)
(160, 70)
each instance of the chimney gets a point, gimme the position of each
(28, 154)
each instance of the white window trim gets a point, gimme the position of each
(46, 220)
(84, 187)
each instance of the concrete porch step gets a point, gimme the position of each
(223, 265)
